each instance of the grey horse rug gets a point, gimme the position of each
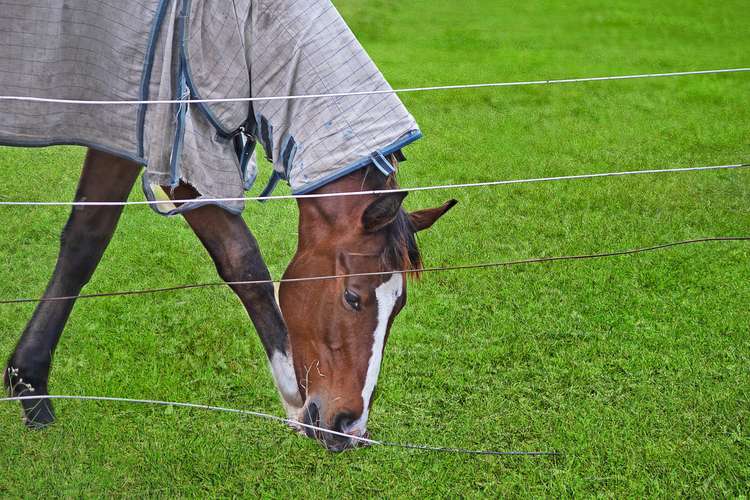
(109, 50)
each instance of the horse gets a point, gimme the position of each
(325, 341)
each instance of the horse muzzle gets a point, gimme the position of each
(342, 438)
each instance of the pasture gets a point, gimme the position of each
(636, 368)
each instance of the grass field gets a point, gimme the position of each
(637, 368)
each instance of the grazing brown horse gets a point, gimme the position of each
(325, 352)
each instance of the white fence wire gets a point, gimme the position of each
(376, 192)
(376, 92)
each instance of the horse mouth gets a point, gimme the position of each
(332, 441)
(337, 444)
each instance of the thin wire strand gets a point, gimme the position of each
(536, 260)
(376, 192)
(376, 92)
(283, 420)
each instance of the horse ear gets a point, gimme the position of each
(424, 219)
(382, 211)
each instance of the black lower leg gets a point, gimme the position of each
(235, 252)
(82, 244)
(237, 257)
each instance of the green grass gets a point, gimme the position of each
(637, 368)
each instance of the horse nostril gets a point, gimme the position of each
(311, 417)
(343, 421)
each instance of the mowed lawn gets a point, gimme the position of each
(636, 368)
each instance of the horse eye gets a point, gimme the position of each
(352, 299)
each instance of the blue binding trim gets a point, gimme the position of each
(404, 141)
(148, 67)
(223, 131)
(265, 136)
(272, 182)
(247, 153)
(287, 153)
(264, 133)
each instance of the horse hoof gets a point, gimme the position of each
(37, 413)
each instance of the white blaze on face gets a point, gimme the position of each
(387, 295)
(282, 369)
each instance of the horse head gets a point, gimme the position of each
(338, 327)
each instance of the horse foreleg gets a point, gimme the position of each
(82, 244)
(235, 252)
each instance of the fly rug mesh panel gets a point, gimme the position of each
(200, 49)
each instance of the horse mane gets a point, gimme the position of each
(402, 249)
